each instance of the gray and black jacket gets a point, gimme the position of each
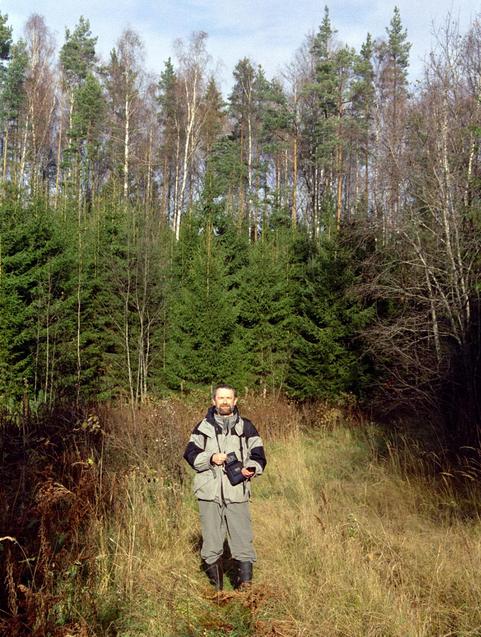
(207, 438)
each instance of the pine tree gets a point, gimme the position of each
(77, 55)
(393, 61)
(274, 138)
(5, 39)
(12, 99)
(242, 108)
(363, 97)
(77, 60)
(86, 133)
(5, 46)
(332, 88)
(170, 142)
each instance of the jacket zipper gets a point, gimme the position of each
(222, 471)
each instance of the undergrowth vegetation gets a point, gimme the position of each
(358, 533)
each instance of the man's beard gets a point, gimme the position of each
(225, 410)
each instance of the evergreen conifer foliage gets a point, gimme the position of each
(167, 93)
(265, 308)
(77, 55)
(397, 49)
(34, 304)
(361, 111)
(13, 93)
(86, 110)
(159, 237)
(86, 132)
(125, 305)
(5, 40)
(202, 317)
(12, 99)
(325, 363)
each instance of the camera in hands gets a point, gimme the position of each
(233, 468)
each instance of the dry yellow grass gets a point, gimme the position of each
(360, 550)
(348, 545)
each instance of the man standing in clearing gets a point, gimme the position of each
(226, 451)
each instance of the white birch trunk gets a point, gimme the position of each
(191, 120)
(126, 145)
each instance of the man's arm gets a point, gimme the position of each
(196, 456)
(255, 448)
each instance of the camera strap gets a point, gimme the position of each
(217, 438)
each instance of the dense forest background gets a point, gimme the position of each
(315, 235)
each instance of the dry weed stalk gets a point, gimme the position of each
(10, 582)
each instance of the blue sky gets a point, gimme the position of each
(267, 31)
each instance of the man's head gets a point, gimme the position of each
(224, 399)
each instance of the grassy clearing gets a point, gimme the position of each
(357, 535)
(348, 542)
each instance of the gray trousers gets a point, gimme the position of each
(221, 520)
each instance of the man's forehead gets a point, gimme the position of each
(224, 393)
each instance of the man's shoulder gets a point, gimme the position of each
(204, 427)
(248, 428)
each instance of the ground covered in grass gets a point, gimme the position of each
(357, 534)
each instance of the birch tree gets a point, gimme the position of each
(36, 145)
(192, 60)
(124, 85)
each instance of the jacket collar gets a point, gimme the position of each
(209, 417)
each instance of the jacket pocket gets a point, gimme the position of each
(236, 493)
(204, 485)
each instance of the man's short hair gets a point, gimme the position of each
(223, 386)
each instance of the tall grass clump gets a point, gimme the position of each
(48, 486)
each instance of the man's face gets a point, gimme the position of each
(224, 401)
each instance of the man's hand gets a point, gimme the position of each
(247, 473)
(218, 458)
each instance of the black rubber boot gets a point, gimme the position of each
(245, 574)
(215, 573)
